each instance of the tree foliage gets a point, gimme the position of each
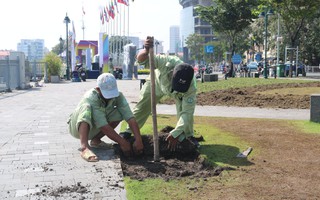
(229, 18)
(53, 63)
(195, 44)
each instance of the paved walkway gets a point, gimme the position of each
(38, 155)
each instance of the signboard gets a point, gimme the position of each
(258, 57)
(209, 49)
(236, 59)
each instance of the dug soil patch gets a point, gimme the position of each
(184, 161)
(251, 97)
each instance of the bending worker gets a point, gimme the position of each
(175, 79)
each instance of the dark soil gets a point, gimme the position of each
(185, 161)
(250, 97)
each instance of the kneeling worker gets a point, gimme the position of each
(99, 112)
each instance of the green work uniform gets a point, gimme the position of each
(97, 112)
(185, 102)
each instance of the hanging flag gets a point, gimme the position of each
(125, 2)
(101, 17)
(106, 15)
(116, 5)
(73, 45)
(73, 32)
(111, 12)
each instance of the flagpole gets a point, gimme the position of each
(128, 21)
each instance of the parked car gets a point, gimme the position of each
(252, 66)
(301, 68)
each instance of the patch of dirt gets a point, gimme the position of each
(185, 161)
(76, 189)
(286, 163)
(249, 97)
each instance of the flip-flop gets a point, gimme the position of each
(101, 145)
(89, 156)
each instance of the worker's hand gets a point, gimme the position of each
(172, 142)
(126, 147)
(148, 43)
(137, 147)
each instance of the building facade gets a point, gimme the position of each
(190, 22)
(33, 49)
(175, 43)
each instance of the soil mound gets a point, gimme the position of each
(185, 161)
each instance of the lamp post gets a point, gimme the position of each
(265, 16)
(67, 21)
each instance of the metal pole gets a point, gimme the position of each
(265, 46)
(67, 21)
(278, 54)
(297, 61)
(153, 106)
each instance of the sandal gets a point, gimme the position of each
(101, 145)
(89, 156)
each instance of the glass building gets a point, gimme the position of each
(190, 22)
(33, 49)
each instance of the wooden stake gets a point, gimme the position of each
(153, 107)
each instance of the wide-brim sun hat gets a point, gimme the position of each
(108, 85)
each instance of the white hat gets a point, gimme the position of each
(108, 85)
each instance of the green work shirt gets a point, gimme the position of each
(185, 102)
(98, 112)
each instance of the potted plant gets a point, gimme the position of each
(54, 65)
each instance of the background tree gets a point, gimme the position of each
(229, 18)
(53, 63)
(310, 39)
(295, 16)
(59, 48)
(195, 44)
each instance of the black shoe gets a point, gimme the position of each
(125, 135)
(194, 141)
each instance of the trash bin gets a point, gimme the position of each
(280, 70)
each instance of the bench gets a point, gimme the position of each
(210, 77)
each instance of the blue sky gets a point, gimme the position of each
(43, 19)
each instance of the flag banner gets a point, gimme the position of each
(73, 45)
(116, 5)
(105, 42)
(101, 16)
(106, 15)
(125, 2)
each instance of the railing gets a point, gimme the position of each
(313, 69)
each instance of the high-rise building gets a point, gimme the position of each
(33, 49)
(175, 44)
(190, 22)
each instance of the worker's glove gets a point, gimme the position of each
(148, 43)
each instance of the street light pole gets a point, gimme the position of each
(67, 21)
(265, 46)
(265, 15)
